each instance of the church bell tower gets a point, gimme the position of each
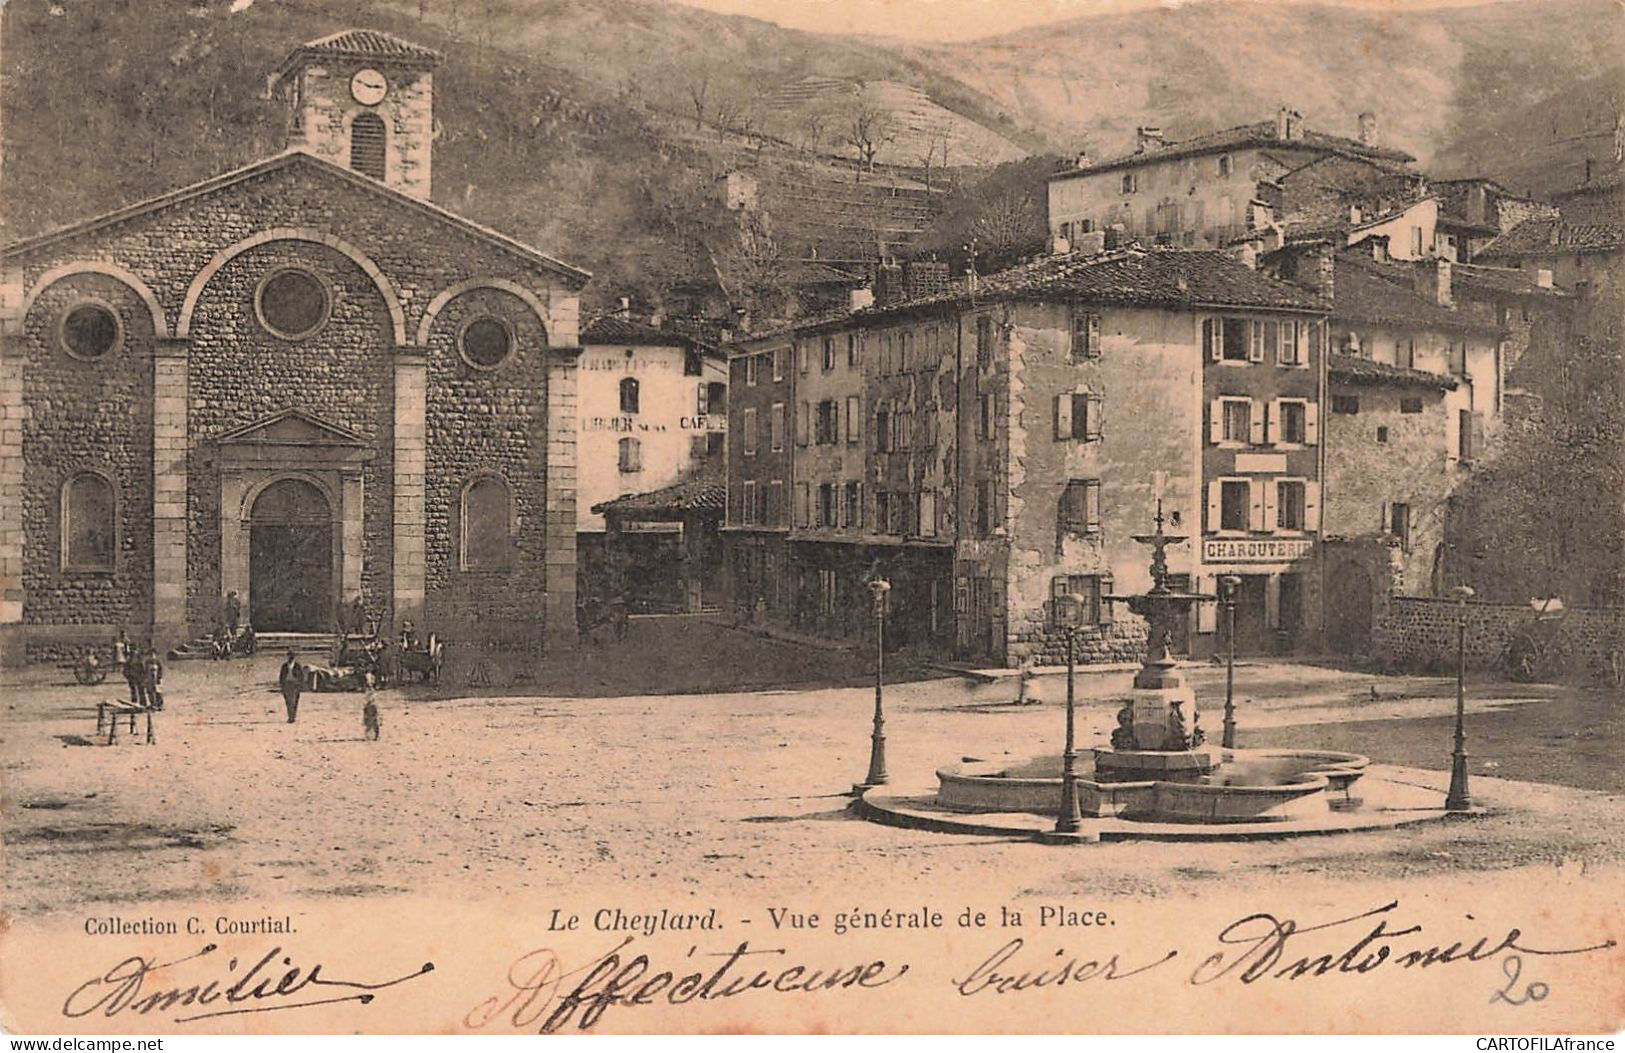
(363, 100)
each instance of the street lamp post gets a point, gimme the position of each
(1070, 818)
(1230, 583)
(878, 587)
(1460, 798)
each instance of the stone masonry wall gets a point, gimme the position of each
(487, 421)
(239, 373)
(96, 416)
(1421, 631)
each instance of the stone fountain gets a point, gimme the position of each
(1158, 777)
(1153, 739)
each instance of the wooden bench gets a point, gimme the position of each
(110, 712)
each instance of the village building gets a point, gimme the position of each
(301, 382)
(1197, 192)
(1417, 365)
(994, 446)
(651, 407)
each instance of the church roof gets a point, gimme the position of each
(369, 43)
(289, 159)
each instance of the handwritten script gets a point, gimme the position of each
(271, 983)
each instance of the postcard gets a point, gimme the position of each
(708, 516)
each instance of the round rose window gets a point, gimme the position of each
(486, 342)
(292, 303)
(90, 330)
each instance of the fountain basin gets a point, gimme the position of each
(1242, 786)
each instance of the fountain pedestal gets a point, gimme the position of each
(1157, 736)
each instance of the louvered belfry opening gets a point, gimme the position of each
(367, 145)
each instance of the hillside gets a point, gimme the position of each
(1441, 82)
(598, 129)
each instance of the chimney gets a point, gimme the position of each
(1283, 122)
(1368, 128)
(1588, 170)
(623, 309)
(860, 298)
(1433, 281)
(1543, 278)
(1148, 137)
(1083, 159)
(1059, 245)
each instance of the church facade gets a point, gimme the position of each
(300, 382)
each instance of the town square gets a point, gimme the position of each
(529, 517)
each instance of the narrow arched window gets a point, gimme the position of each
(89, 523)
(631, 455)
(629, 395)
(486, 524)
(367, 145)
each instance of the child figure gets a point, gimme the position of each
(1026, 695)
(371, 726)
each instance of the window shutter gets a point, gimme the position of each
(1063, 416)
(1093, 322)
(853, 419)
(1104, 585)
(1272, 422)
(1207, 614)
(1311, 506)
(1093, 404)
(1215, 422)
(803, 422)
(700, 407)
(1302, 343)
(1255, 422)
(1091, 506)
(1255, 349)
(1255, 493)
(1213, 338)
(1215, 492)
(1311, 423)
(1272, 495)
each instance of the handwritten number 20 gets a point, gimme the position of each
(1512, 968)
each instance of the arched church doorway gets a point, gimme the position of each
(290, 576)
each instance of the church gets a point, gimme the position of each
(301, 382)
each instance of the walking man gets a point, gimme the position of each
(130, 665)
(292, 681)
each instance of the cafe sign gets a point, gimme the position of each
(1254, 550)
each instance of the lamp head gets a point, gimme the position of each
(1070, 608)
(879, 587)
(1231, 583)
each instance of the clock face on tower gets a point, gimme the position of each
(369, 87)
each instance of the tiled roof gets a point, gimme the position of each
(1132, 277)
(1501, 280)
(701, 494)
(1553, 237)
(612, 329)
(1358, 370)
(1259, 134)
(1148, 277)
(1607, 184)
(1367, 291)
(369, 43)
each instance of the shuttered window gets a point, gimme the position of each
(367, 145)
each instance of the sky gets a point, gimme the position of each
(963, 19)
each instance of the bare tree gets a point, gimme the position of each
(936, 141)
(867, 130)
(1005, 221)
(697, 92)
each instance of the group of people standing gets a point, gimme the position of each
(143, 671)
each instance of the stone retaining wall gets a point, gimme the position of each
(1421, 631)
